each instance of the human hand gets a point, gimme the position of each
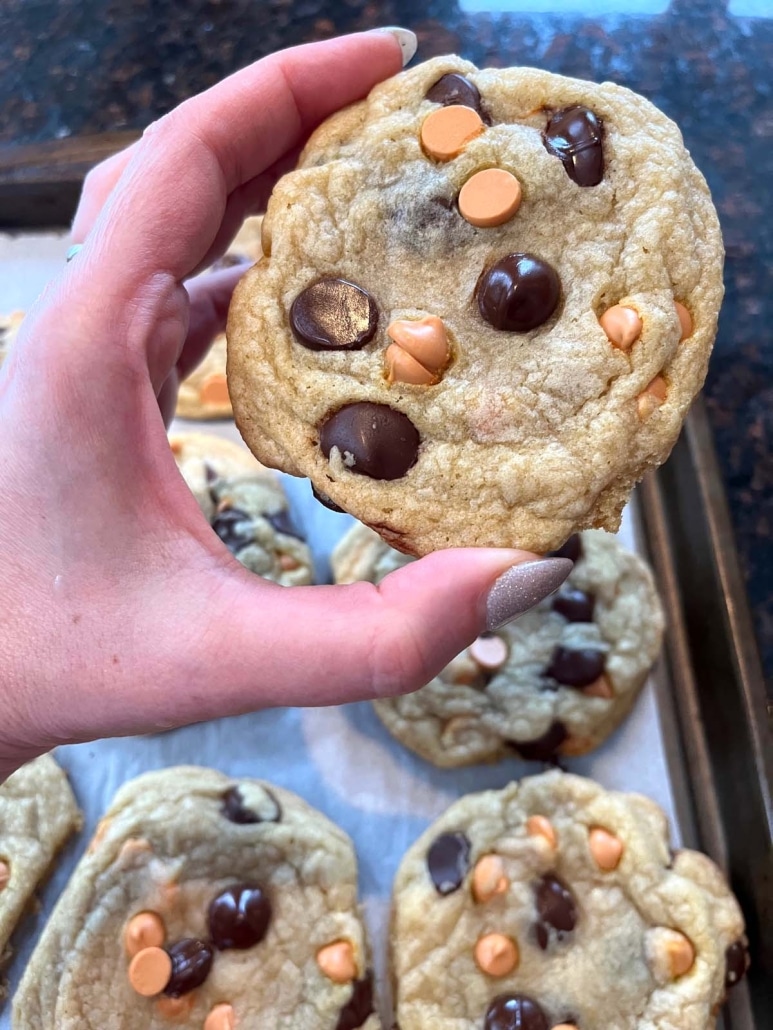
(122, 610)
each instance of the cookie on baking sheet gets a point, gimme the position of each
(37, 815)
(204, 393)
(246, 506)
(487, 302)
(557, 681)
(555, 904)
(9, 328)
(208, 903)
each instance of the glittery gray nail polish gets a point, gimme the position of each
(521, 587)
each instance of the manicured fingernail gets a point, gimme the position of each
(522, 586)
(407, 40)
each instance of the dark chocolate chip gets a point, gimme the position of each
(575, 667)
(191, 963)
(518, 293)
(572, 549)
(235, 528)
(448, 861)
(575, 136)
(374, 439)
(327, 501)
(210, 473)
(736, 963)
(359, 1006)
(555, 908)
(235, 809)
(575, 605)
(334, 314)
(453, 89)
(283, 523)
(239, 917)
(515, 1012)
(544, 748)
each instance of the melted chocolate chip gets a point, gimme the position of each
(572, 549)
(575, 667)
(283, 523)
(544, 748)
(236, 811)
(574, 135)
(448, 861)
(234, 527)
(453, 89)
(574, 605)
(334, 314)
(191, 963)
(518, 293)
(327, 501)
(359, 1006)
(736, 963)
(515, 1012)
(238, 917)
(374, 439)
(555, 908)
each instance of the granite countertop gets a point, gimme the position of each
(72, 67)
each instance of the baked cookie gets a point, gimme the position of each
(557, 681)
(557, 904)
(208, 903)
(245, 505)
(204, 393)
(487, 302)
(37, 815)
(9, 328)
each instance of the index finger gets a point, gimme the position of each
(169, 202)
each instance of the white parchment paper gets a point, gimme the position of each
(339, 759)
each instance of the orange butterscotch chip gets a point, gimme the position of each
(622, 326)
(337, 962)
(599, 688)
(447, 131)
(419, 352)
(490, 197)
(403, 368)
(540, 826)
(652, 396)
(150, 971)
(606, 848)
(221, 1017)
(496, 954)
(175, 1009)
(214, 390)
(5, 874)
(488, 878)
(145, 930)
(685, 320)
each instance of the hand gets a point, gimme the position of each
(122, 612)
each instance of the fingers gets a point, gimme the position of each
(210, 296)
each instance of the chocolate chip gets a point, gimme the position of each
(334, 314)
(575, 605)
(236, 811)
(283, 523)
(518, 293)
(572, 549)
(454, 89)
(359, 1006)
(575, 667)
(235, 528)
(210, 473)
(448, 861)
(736, 963)
(515, 1012)
(327, 501)
(374, 439)
(544, 748)
(555, 907)
(191, 962)
(574, 135)
(238, 917)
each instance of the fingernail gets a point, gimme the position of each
(522, 586)
(407, 40)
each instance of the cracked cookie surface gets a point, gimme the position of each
(555, 903)
(557, 681)
(205, 902)
(573, 316)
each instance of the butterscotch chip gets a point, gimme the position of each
(419, 352)
(670, 953)
(150, 971)
(606, 848)
(214, 390)
(175, 1009)
(490, 652)
(539, 826)
(447, 131)
(402, 367)
(622, 326)
(490, 197)
(652, 397)
(145, 930)
(5, 874)
(599, 688)
(221, 1017)
(685, 320)
(488, 878)
(337, 962)
(496, 954)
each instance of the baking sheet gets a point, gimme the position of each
(340, 759)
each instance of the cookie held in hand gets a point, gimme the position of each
(487, 301)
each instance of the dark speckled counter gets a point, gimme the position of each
(88, 66)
